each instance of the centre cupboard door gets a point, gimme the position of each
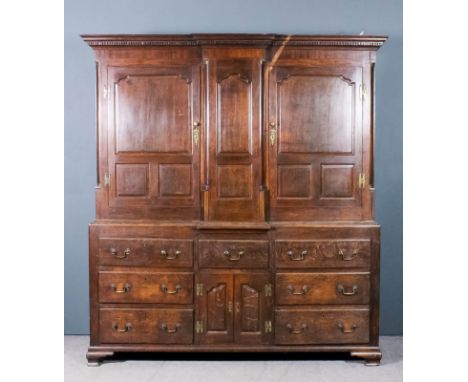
(314, 142)
(234, 308)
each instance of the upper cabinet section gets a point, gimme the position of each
(235, 127)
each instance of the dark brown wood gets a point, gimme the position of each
(234, 201)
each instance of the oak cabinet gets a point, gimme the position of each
(234, 205)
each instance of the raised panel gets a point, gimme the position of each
(294, 182)
(316, 114)
(131, 179)
(337, 181)
(217, 308)
(234, 115)
(175, 180)
(250, 306)
(152, 113)
(235, 181)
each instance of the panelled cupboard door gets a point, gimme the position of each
(153, 139)
(233, 176)
(314, 140)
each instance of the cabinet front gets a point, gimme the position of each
(314, 141)
(153, 140)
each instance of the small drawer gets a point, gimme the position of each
(322, 288)
(323, 253)
(146, 326)
(146, 252)
(146, 287)
(233, 254)
(327, 326)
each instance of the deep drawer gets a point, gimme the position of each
(327, 326)
(146, 326)
(146, 252)
(233, 254)
(146, 287)
(323, 253)
(322, 288)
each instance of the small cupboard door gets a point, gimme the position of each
(315, 141)
(153, 140)
(214, 324)
(253, 308)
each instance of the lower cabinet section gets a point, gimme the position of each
(324, 326)
(146, 326)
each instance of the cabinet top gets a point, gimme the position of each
(365, 42)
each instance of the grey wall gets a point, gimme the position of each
(262, 16)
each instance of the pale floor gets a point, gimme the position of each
(167, 368)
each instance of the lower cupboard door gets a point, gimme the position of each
(324, 326)
(145, 326)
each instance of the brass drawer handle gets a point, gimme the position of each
(341, 289)
(167, 291)
(347, 331)
(301, 329)
(300, 257)
(233, 256)
(303, 290)
(126, 288)
(169, 257)
(347, 257)
(170, 331)
(127, 327)
(115, 253)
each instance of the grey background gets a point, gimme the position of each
(254, 16)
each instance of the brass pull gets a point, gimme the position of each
(115, 253)
(167, 291)
(196, 133)
(272, 133)
(346, 257)
(127, 327)
(304, 290)
(346, 331)
(301, 329)
(300, 257)
(170, 331)
(343, 291)
(233, 257)
(230, 306)
(126, 288)
(169, 257)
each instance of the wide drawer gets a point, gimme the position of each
(146, 287)
(327, 326)
(233, 254)
(322, 288)
(146, 252)
(323, 253)
(146, 326)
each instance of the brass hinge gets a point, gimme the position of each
(362, 91)
(196, 133)
(199, 290)
(199, 327)
(268, 290)
(362, 180)
(107, 180)
(268, 327)
(105, 91)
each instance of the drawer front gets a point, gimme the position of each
(146, 252)
(329, 326)
(146, 287)
(323, 253)
(233, 254)
(322, 288)
(146, 326)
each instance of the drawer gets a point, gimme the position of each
(322, 253)
(146, 252)
(233, 254)
(328, 326)
(146, 326)
(322, 288)
(146, 287)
